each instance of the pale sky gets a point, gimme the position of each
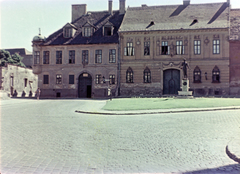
(21, 19)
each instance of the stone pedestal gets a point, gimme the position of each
(185, 88)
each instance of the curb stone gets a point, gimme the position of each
(155, 112)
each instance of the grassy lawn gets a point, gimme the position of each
(127, 104)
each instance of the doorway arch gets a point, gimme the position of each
(85, 85)
(171, 81)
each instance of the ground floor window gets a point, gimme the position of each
(58, 79)
(129, 75)
(98, 79)
(111, 79)
(71, 79)
(45, 79)
(197, 75)
(216, 75)
(147, 75)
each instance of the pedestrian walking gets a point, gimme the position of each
(38, 93)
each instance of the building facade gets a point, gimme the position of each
(154, 41)
(18, 81)
(235, 52)
(80, 60)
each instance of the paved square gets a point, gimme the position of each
(47, 136)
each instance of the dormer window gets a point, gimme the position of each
(107, 31)
(87, 32)
(68, 32)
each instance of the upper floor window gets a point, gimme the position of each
(179, 47)
(197, 47)
(87, 31)
(112, 56)
(216, 46)
(129, 50)
(98, 56)
(146, 48)
(147, 75)
(68, 32)
(85, 57)
(58, 79)
(216, 75)
(58, 57)
(98, 79)
(45, 79)
(71, 57)
(197, 75)
(129, 75)
(36, 57)
(111, 79)
(46, 57)
(165, 48)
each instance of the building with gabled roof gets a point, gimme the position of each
(81, 58)
(154, 41)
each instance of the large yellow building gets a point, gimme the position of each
(154, 41)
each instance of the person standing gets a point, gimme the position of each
(38, 93)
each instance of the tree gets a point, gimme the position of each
(14, 59)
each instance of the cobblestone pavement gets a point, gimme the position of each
(47, 136)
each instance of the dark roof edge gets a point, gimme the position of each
(226, 28)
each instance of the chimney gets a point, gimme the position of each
(122, 6)
(78, 11)
(110, 10)
(186, 2)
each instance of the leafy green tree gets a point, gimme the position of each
(14, 59)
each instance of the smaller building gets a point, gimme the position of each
(18, 81)
(27, 55)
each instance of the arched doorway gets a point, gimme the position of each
(171, 81)
(85, 86)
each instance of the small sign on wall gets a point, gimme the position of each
(85, 75)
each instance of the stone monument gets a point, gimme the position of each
(185, 82)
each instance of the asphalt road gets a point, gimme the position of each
(48, 136)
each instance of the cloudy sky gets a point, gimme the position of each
(21, 19)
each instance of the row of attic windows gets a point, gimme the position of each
(87, 30)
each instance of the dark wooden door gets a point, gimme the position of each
(171, 81)
(85, 86)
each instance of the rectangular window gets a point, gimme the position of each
(87, 31)
(25, 82)
(46, 57)
(129, 50)
(107, 31)
(98, 79)
(71, 79)
(146, 48)
(85, 57)
(36, 57)
(72, 57)
(45, 79)
(197, 47)
(98, 56)
(59, 57)
(68, 32)
(112, 56)
(111, 79)
(165, 48)
(216, 46)
(179, 48)
(58, 79)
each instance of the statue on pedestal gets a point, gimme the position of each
(184, 67)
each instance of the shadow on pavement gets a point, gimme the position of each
(229, 169)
